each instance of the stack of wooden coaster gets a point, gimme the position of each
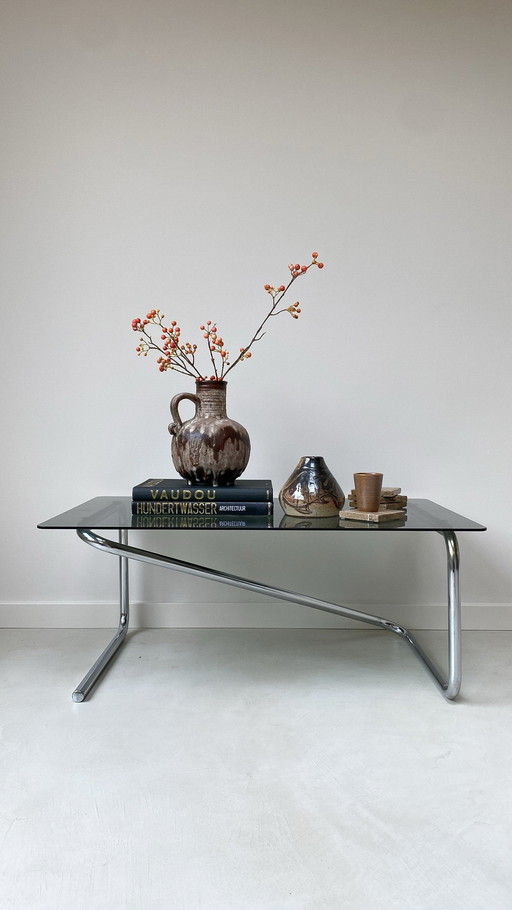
(390, 498)
(393, 505)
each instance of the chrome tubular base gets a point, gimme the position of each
(449, 685)
(90, 679)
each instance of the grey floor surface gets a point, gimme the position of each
(254, 770)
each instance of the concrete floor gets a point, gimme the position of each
(254, 770)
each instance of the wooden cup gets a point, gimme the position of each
(368, 489)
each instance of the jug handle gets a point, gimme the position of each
(175, 414)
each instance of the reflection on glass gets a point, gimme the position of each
(199, 522)
(292, 522)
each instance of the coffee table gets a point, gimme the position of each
(113, 513)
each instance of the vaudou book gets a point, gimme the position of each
(179, 490)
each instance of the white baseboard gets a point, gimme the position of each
(259, 615)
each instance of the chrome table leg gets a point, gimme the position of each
(449, 686)
(90, 679)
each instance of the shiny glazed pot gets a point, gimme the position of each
(312, 491)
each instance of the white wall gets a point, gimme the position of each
(179, 155)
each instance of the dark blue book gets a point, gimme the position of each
(177, 489)
(203, 507)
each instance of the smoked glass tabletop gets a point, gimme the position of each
(115, 513)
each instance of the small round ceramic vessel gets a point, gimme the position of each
(368, 486)
(311, 490)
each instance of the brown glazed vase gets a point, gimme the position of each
(210, 448)
(312, 491)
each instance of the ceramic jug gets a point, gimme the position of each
(210, 448)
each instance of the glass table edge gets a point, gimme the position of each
(95, 514)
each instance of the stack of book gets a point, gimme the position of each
(174, 498)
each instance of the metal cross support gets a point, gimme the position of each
(449, 684)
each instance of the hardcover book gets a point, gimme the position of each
(192, 507)
(177, 489)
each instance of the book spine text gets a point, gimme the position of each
(234, 509)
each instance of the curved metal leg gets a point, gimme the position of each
(90, 679)
(449, 686)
